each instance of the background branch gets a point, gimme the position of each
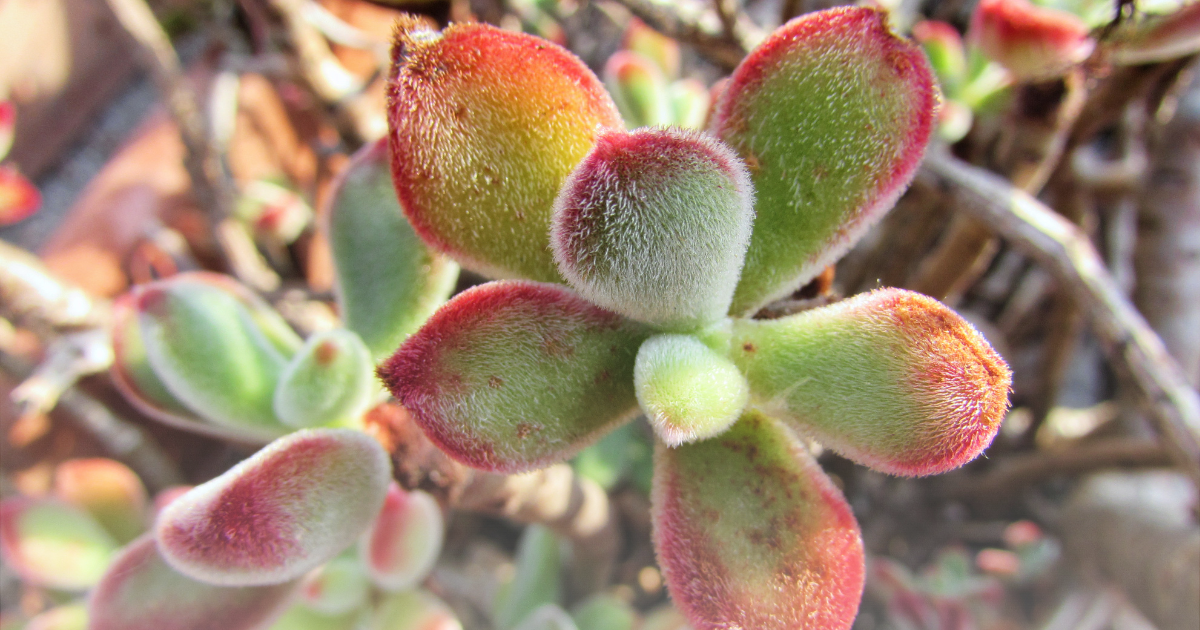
(1058, 245)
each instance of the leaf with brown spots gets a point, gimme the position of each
(750, 533)
(510, 376)
(892, 379)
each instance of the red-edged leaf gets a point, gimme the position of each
(19, 198)
(485, 126)
(287, 509)
(831, 113)
(891, 379)
(53, 544)
(142, 592)
(1032, 42)
(401, 546)
(8, 123)
(106, 489)
(512, 376)
(653, 224)
(750, 533)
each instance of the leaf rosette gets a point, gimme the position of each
(668, 241)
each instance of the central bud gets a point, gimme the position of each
(688, 391)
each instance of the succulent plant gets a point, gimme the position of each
(508, 155)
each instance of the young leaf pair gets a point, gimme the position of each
(508, 155)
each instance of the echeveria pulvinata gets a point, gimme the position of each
(508, 155)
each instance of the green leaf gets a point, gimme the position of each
(750, 533)
(400, 548)
(204, 346)
(284, 511)
(337, 588)
(388, 281)
(891, 379)
(329, 381)
(414, 609)
(511, 376)
(485, 126)
(653, 224)
(639, 90)
(53, 544)
(604, 612)
(547, 617)
(106, 489)
(831, 113)
(687, 390)
(142, 592)
(65, 617)
(535, 582)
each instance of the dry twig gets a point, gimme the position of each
(1058, 245)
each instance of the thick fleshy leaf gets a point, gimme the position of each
(536, 581)
(266, 319)
(300, 617)
(547, 617)
(329, 381)
(1034, 43)
(66, 617)
(336, 588)
(273, 211)
(512, 375)
(690, 103)
(662, 50)
(891, 379)
(142, 592)
(19, 198)
(750, 533)
(106, 489)
(485, 126)
(687, 390)
(1147, 39)
(415, 609)
(639, 90)
(287, 509)
(944, 48)
(8, 123)
(388, 281)
(832, 113)
(204, 347)
(604, 612)
(402, 545)
(53, 544)
(653, 224)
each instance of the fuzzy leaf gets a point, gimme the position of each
(639, 90)
(388, 281)
(204, 347)
(330, 380)
(287, 509)
(1147, 39)
(750, 533)
(272, 211)
(19, 198)
(536, 581)
(653, 224)
(485, 126)
(402, 545)
(106, 489)
(414, 609)
(135, 378)
(142, 592)
(66, 617)
(831, 113)
(53, 544)
(1034, 43)
(891, 379)
(265, 318)
(336, 588)
(687, 390)
(513, 375)
(649, 43)
(604, 612)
